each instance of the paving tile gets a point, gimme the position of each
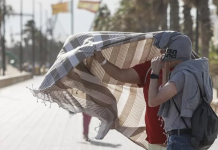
(28, 125)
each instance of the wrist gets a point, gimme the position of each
(155, 72)
(154, 76)
(103, 62)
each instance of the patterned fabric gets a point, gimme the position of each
(77, 83)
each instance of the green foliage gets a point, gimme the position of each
(103, 21)
(133, 16)
(215, 2)
(213, 55)
(8, 10)
(151, 15)
(50, 47)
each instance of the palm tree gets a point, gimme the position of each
(205, 27)
(8, 12)
(54, 45)
(215, 2)
(188, 22)
(140, 16)
(4, 11)
(28, 31)
(143, 15)
(102, 21)
(127, 18)
(205, 23)
(174, 15)
(159, 9)
(135, 16)
(30, 24)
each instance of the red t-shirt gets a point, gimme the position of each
(155, 132)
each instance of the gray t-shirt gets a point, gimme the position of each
(173, 120)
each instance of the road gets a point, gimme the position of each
(28, 125)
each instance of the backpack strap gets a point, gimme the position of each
(180, 113)
(201, 95)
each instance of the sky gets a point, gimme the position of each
(82, 18)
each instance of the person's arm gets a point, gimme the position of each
(123, 75)
(155, 96)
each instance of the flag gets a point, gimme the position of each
(61, 8)
(92, 6)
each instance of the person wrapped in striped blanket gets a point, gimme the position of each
(106, 75)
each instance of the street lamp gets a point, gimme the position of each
(21, 35)
(197, 28)
(3, 40)
(40, 45)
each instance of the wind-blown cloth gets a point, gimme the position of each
(77, 83)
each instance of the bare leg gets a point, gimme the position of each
(86, 122)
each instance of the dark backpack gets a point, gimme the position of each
(204, 124)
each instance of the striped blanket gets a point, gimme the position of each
(77, 83)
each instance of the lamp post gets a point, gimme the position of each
(72, 17)
(40, 40)
(3, 41)
(197, 28)
(21, 35)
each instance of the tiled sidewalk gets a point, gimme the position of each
(28, 125)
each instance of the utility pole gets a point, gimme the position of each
(72, 17)
(3, 41)
(50, 42)
(40, 44)
(197, 28)
(46, 42)
(21, 35)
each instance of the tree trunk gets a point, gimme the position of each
(205, 27)
(188, 22)
(174, 15)
(159, 14)
(163, 16)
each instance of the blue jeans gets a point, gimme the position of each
(182, 142)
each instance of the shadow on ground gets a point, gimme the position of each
(97, 143)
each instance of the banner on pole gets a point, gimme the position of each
(91, 6)
(61, 8)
